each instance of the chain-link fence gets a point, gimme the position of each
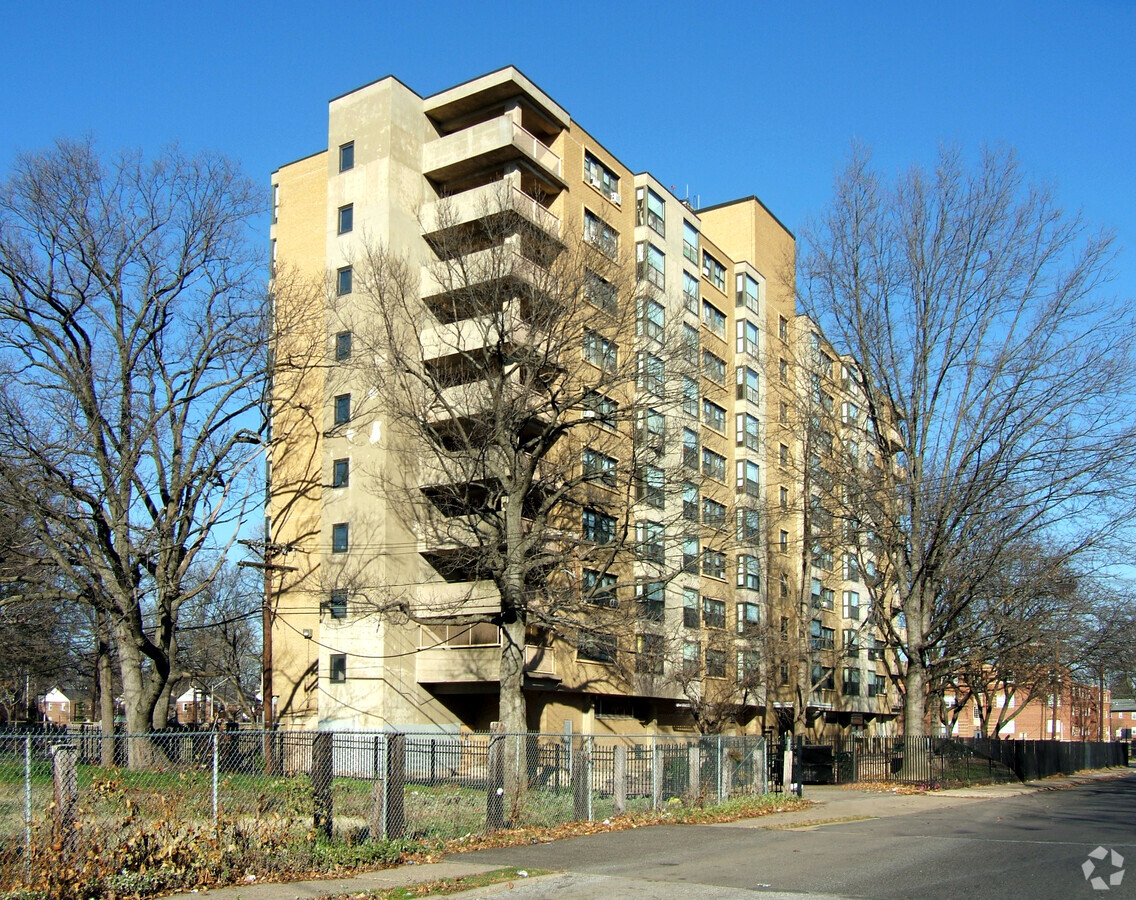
(89, 798)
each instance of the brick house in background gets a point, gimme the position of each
(1073, 713)
(55, 707)
(1122, 721)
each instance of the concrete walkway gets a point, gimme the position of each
(832, 805)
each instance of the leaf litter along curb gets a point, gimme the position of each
(444, 886)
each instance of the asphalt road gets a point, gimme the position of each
(1032, 846)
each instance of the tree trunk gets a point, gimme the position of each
(104, 685)
(512, 714)
(139, 698)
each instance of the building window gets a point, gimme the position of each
(649, 537)
(342, 409)
(783, 370)
(340, 473)
(337, 604)
(876, 649)
(649, 654)
(852, 605)
(690, 397)
(783, 413)
(342, 346)
(650, 210)
(783, 328)
(598, 527)
(714, 271)
(650, 598)
(338, 667)
(877, 687)
(713, 367)
(275, 203)
(713, 318)
(749, 572)
(691, 659)
(690, 554)
(652, 318)
(783, 454)
(851, 682)
(598, 467)
(347, 156)
(343, 281)
(713, 415)
(749, 385)
(596, 646)
(601, 177)
(600, 407)
(690, 448)
(600, 351)
(749, 619)
(784, 582)
(749, 525)
(689, 292)
(748, 478)
(650, 264)
(822, 677)
(713, 513)
(851, 642)
(748, 431)
(714, 564)
(346, 218)
(600, 235)
(651, 429)
(599, 588)
(783, 674)
(821, 638)
(690, 501)
(748, 338)
(600, 292)
(713, 613)
(784, 497)
(713, 464)
(783, 541)
(652, 377)
(339, 538)
(715, 663)
(851, 567)
(690, 607)
(650, 486)
(690, 242)
(748, 291)
(689, 347)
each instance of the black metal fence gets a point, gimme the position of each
(950, 761)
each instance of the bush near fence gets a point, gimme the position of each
(247, 795)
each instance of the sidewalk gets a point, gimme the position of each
(832, 804)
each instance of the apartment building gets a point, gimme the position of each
(1067, 710)
(728, 588)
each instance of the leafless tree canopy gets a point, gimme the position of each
(996, 371)
(132, 334)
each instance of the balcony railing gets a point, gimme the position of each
(487, 200)
(487, 143)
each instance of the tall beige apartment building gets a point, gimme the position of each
(745, 614)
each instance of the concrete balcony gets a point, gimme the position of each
(475, 273)
(479, 665)
(467, 336)
(488, 200)
(441, 599)
(488, 145)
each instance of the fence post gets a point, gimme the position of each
(215, 772)
(725, 773)
(395, 803)
(693, 773)
(619, 779)
(321, 775)
(495, 783)
(580, 800)
(589, 776)
(761, 776)
(377, 820)
(66, 788)
(656, 773)
(27, 808)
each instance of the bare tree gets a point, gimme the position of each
(132, 321)
(995, 375)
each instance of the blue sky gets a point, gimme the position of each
(725, 99)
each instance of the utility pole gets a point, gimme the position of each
(268, 550)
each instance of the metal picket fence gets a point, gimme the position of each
(78, 794)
